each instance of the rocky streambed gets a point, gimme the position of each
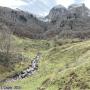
(30, 70)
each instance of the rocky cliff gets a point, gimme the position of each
(71, 22)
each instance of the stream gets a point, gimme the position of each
(30, 70)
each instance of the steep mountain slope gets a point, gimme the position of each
(56, 12)
(79, 9)
(22, 23)
(73, 22)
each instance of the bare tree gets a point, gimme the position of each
(5, 40)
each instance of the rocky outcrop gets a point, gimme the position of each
(60, 12)
(57, 12)
(80, 10)
(73, 22)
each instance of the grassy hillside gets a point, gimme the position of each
(62, 67)
(22, 51)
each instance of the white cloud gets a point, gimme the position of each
(12, 3)
(44, 1)
(66, 3)
(43, 13)
(29, 1)
(87, 3)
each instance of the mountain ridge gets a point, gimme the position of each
(71, 22)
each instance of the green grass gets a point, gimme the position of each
(61, 66)
(25, 47)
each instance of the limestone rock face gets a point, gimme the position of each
(71, 22)
(56, 12)
(79, 9)
(60, 12)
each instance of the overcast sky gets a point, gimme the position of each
(39, 7)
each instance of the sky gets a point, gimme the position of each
(39, 7)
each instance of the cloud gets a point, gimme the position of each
(29, 1)
(87, 3)
(39, 7)
(44, 2)
(66, 3)
(12, 3)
